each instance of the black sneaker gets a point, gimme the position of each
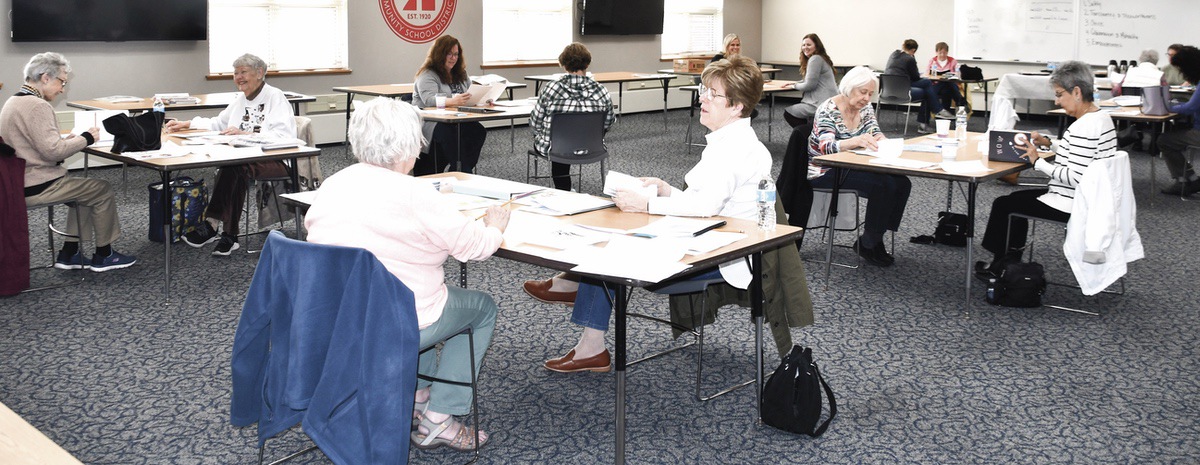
(225, 246)
(201, 236)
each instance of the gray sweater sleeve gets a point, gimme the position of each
(812, 75)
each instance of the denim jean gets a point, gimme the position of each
(593, 302)
(922, 90)
(464, 308)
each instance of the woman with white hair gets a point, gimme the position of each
(259, 109)
(1145, 74)
(376, 205)
(28, 124)
(847, 122)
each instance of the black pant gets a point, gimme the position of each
(445, 148)
(229, 191)
(886, 194)
(999, 230)
(562, 175)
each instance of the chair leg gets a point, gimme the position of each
(473, 384)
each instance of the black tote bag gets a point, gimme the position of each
(135, 133)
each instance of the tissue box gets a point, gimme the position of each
(690, 65)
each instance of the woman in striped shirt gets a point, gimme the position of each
(847, 122)
(1089, 138)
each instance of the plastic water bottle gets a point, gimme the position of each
(159, 107)
(766, 204)
(960, 124)
(1096, 96)
(991, 291)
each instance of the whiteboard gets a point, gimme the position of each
(1094, 31)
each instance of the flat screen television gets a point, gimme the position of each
(622, 17)
(108, 20)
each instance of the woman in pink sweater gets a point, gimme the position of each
(408, 225)
(28, 124)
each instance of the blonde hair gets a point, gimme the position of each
(742, 79)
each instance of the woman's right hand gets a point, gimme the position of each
(862, 141)
(177, 125)
(664, 189)
(497, 217)
(458, 100)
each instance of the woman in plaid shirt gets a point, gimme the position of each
(574, 91)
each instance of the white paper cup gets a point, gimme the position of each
(943, 127)
(949, 152)
(440, 99)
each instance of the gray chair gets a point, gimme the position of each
(895, 89)
(51, 231)
(575, 139)
(1033, 221)
(818, 217)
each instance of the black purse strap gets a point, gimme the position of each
(832, 404)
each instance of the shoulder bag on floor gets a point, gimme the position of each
(1019, 285)
(189, 198)
(791, 399)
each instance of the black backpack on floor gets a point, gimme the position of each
(1019, 285)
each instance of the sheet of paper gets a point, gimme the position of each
(890, 148)
(465, 202)
(556, 202)
(484, 94)
(85, 120)
(674, 226)
(615, 180)
(490, 79)
(493, 188)
(711, 241)
(650, 260)
(904, 163)
(521, 102)
(304, 197)
(524, 225)
(566, 237)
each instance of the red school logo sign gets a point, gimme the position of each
(418, 21)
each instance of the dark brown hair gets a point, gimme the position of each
(575, 57)
(436, 60)
(818, 49)
(910, 44)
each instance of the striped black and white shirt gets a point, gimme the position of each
(1089, 138)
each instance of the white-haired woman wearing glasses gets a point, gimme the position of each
(847, 122)
(28, 124)
(376, 205)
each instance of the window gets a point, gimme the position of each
(525, 30)
(290, 35)
(692, 27)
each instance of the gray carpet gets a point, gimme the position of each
(116, 375)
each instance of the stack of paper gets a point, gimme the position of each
(556, 203)
(493, 188)
(615, 181)
(904, 163)
(650, 260)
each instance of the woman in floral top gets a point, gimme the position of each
(847, 122)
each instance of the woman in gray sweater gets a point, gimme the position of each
(818, 84)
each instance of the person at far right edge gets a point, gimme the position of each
(1173, 143)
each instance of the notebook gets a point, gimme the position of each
(1003, 145)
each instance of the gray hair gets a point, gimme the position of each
(251, 61)
(385, 131)
(1074, 74)
(46, 63)
(1148, 56)
(857, 77)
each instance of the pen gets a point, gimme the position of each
(710, 228)
(505, 204)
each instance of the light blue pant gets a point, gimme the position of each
(464, 308)
(593, 302)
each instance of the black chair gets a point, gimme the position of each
(895, 89)
(576, 138)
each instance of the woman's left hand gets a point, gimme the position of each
(631, 202)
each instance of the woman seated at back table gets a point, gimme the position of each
(1091, 137)
(259, 109)
(847, 122)
(376, 205)
(445, 72)
(723, 183)
(819, 81)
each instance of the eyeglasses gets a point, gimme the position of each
(63, 81)
(708, 93)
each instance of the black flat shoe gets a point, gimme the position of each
(883, 255)
(871, 255)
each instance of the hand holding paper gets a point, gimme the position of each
(615, 181)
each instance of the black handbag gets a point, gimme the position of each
(791, 399)
(135, 133)
(970, 73)
(951, 230)
(1019, 285)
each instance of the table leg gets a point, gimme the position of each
(458, 150)
(756, 311)
(621, 307)
(1155, 153)
(349, 103)
(166, 212)
(771, 117)
(665, 89)
(971, 186)
(987, 106)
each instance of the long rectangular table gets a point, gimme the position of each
(620, 78)
(165, 166)
(966, 152)
(394, 91)
(770, 88)
(1132, 115)
(207, 102)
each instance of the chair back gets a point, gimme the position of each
(847, 219)
(895, 88)
(577, 138)
(309, 167)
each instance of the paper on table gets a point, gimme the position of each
(120, 99)
(616, 180)
(903, 163)
(566, 237)
(964, 167)
(304, 197)
(523, 225)
(890, 148)
(650, 260)
(674, 226)
(85, 120)
(556, 202)
(469, 202)
(521, 102)
(711, 241)
(493, 188)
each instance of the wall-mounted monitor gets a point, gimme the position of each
(108, 20)
(621, 17)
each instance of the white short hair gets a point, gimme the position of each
(385, 131)
(858, 76)
(46, 63)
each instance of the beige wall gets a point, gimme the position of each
(376, 56)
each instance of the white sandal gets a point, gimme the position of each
(464, 440)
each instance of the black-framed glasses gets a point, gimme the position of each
(708, 93)
(63, 81)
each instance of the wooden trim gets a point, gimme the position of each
(670, 58)
(519, 64)
(284, 73)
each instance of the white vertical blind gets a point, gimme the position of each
(524, 30)
(289, 34)
(692, 27)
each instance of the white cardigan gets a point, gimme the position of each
(1102, 233)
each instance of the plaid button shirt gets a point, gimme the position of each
(570, 93)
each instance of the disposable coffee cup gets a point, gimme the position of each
(440, 99)
(943, 127)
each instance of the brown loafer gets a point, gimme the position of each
(540, 290)
(599, 363)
